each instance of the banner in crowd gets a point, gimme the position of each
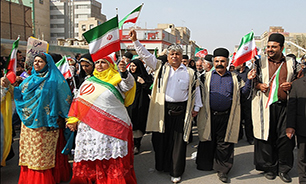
(200, 52)
(103, 39)
(34, 46)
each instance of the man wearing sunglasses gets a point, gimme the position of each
(219, 119)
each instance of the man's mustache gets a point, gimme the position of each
(219, 66)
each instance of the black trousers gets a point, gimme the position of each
(169, 147)
(246, 117)
(301, 159)
(275, 154)
(216, 154)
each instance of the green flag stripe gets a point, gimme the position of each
(60, 62)
(101, 30)
(275, 96)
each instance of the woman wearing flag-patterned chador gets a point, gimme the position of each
(104, 142)
(41, 100)
(273, 150)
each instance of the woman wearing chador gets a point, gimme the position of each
(104, 143)
(138, 111)
(41, 100)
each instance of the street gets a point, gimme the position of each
(242, 172)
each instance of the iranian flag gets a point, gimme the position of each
(63, 66)
(11, 66)
(103, 39)
(274, 87)
(246, 51)
(131, 17)
(199, 52)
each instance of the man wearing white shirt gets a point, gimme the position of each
(175, 101)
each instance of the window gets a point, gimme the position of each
(41, 1)
(83, 27)
(91, 26)
(82, 7)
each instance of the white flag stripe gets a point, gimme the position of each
(249, 45)
(132, 16)
(14, 56)
(96, 45)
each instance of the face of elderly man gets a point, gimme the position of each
(175, 58)
(174, 55)
(199, 66)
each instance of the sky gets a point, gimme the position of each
(214, 23)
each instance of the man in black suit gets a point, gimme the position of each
(296, 122)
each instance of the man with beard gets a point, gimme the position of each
(199, 66)
(219, 119)
(273, 152)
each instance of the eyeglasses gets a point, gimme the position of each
(222, 61)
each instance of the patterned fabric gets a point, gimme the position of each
(6, 124)
(119, 170)
(42, 97)
(101, 102)
(92, 145)
(37, 148)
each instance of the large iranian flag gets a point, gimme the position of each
(131, 17)
(246, 51)
(63, 66)
(103, 39)
(11, 66)
(274, 87)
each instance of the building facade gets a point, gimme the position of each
(13, 26)
(66, 14)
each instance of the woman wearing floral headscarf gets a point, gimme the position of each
(104, 142)
(40, 100)
(138, 111)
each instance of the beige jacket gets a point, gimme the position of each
(204, 116)
(155, 122)
(261, 114)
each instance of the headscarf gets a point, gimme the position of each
(112, 76)
(43, 96)
(141, 71)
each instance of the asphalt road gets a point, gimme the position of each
(242, 172)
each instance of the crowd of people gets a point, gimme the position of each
(108, 105)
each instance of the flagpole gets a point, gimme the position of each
(120, 54)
